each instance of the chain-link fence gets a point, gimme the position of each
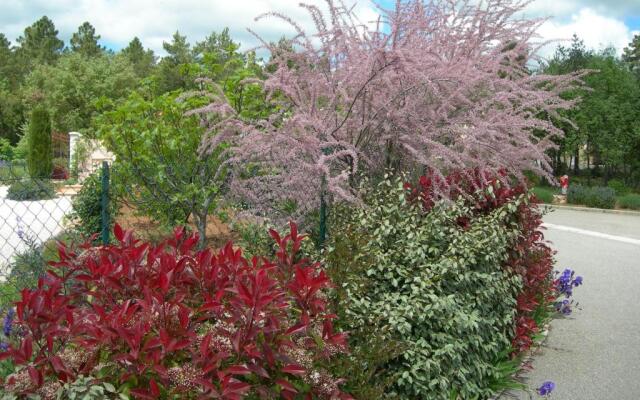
(33, 215)
(37, 213)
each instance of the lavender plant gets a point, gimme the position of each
(8, 332)
(546, 388)
(564, 285)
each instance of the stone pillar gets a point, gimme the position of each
(73, 140)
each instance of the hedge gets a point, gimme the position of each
(430, 282)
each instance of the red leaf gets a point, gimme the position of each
(27, 348)
(286, 385)
(35, 375)
(294, 369)
(118, 232)
(154, 387)
(238, 370)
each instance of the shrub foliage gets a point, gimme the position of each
(168, 322)
(596, 196)
(454, 284)
(87, 206)
(31, 189)
(435, 282)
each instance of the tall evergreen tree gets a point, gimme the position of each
(142, 60)
(173, 72)
(40, 156)
(5, 50)
(85, 41)
(631, 55)
(40, 43)
(178, 50)
(219, 44)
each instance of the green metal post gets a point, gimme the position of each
(322, 235)
(105, 203)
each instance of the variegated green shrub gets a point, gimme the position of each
(433, 282)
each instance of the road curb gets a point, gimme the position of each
(593, 210)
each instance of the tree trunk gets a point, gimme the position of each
(201, 225)
(576, 161)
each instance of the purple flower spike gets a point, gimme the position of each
(8, 322)
(546, 388)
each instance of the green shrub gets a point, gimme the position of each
(26, 267)
(89, 388)
(87, 206)
(21, 150)
(618, 186)
(31, 189)
(253, 237)
(545, 195)
(630, 201)
(429, 283)
(577, 194)
(532, 178)
(596, 196)
(40, 156)
(601, 197)
(12, 171)
(6, 151)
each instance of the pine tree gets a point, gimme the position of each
(40, 156)
(172, 73)
(631, 55)
(85, 41)
(142, 60)
(40, 43)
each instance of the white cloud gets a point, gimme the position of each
(597, 31)
(154, 21)
(598, 22)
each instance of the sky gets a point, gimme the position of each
(600, 23)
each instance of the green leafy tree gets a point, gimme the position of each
(77, 88)
(568, 60)
(11, 112)
(174, 70)
(158, 165)
(218, 58)
(5, 53)
(85, 41)
(40, 43)
(143, 61)
(40, 156)
(609, 115)
(631, 55)
(11, 77)
(220, 45)
(606, 118)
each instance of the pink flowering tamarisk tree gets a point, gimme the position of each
(437, 85)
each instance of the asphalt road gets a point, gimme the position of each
(595, 353)
(39, 220)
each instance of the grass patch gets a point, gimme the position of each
(544, 194)
(629, 201)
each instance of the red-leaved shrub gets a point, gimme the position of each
(169, 322)
(530, 256)
(59, 172)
